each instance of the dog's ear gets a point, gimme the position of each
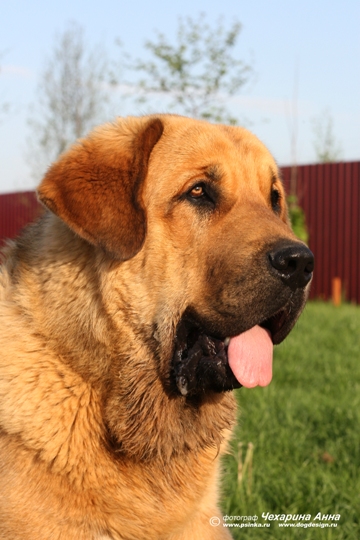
(95, 187)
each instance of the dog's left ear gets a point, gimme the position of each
(95, 187)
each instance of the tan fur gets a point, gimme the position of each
(92, 445)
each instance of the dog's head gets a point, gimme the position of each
(195, 216)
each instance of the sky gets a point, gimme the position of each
(305, 57)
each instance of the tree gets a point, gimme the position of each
(72, 95)
(5, 106)
(326, 146)
(197, 72)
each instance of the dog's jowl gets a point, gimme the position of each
(158, 279)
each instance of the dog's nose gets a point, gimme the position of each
(294, 264)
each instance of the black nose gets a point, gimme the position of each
(294, 264)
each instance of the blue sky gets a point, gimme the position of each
(316, 42)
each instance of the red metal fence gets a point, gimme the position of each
(328, 193)
(330, 197)
(16, 211)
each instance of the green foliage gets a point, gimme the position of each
(197, 72)
(304, 428)
(297, 218)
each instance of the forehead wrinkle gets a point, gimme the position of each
(213, 172)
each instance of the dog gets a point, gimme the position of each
(158, 279)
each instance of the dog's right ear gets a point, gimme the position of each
(96, 186)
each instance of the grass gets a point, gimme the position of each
(303, 430)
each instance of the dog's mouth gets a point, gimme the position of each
(203, 363)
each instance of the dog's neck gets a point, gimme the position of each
(170, 424)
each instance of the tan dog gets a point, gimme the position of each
(166, 237)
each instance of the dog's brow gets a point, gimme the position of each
(274, 177)
(213, 173)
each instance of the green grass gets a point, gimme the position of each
(305, 428)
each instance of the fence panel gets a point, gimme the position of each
(16, 211)
(330, 197)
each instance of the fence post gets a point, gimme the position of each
(336, 291)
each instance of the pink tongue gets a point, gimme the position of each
(250, 357)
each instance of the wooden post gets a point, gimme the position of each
(336, 291)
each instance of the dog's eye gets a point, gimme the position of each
(202, 195)
(275, 200)
(197, 191)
